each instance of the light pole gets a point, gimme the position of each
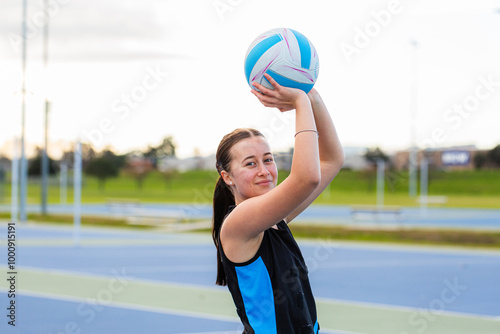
(77, 192)
(24, 167)
(412, 161)
(14, 210)
(380, 182)
(45, 159)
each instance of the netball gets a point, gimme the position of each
(286, 55)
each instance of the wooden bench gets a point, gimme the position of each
(123, 205)
(437, 200)
(376, 212)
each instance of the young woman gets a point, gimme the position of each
(257, 256)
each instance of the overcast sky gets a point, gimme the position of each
(128, 73)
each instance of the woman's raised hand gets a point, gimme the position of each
(283, 98)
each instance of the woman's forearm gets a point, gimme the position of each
(306, 155)
(330, 148)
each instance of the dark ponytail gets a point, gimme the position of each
(223, 199)
(223, 196)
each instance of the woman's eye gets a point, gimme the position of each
(250, 164)
(269, 160)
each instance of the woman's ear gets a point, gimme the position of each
(227, 178)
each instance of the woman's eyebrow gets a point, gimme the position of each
(249, 157)
(253, 156)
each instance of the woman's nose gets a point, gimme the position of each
(263, 170)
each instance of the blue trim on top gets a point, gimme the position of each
(284, 81)
(258, 298)
(305, 49)
(257, 52)
(316, 327)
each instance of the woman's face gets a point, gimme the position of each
(253, 170)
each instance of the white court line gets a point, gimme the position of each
(128, 276)
(166, 311)
(405, 308)
(407, 263)
(398, 247)
(127, 306)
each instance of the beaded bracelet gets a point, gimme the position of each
(307, 130)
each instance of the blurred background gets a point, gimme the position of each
(142, 92)
(151, 87)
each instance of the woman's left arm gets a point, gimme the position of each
(331, 153)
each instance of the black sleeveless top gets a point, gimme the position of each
(271, 291)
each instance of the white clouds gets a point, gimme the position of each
(88, 30)
(99, 50)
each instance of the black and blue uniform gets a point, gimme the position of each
(271, 291)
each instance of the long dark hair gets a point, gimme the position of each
(223, 196)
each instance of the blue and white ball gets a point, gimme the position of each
(286, 55)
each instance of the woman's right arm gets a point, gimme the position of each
(257, 214)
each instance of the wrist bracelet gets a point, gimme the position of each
(306, 130)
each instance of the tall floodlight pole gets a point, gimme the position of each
(412, 161)
(24, 167)
(63, 182)
(77, 192)
(424, 184)
(14, 210)
(45, 159)
(380, 182)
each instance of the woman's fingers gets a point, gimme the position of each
(270, 101)
(264, 98)
(262, 89)
(272, 81)
(281, 97)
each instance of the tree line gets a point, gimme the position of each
(107, 164)
(489, 158)
(138, 164)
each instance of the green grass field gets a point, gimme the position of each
(427, 236)
(473, 189)
(479, 189)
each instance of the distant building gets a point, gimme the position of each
(446, 158)
(355, 158)
(283, 162)
(183, 165)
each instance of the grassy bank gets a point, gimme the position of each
(85, 220)
(479, 189)
(444, 237)
(447, 237)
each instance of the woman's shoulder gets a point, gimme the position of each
(229, 210)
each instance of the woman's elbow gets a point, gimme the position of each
(335, 161)
(338, 162)
(307, 181)
(314, 179)
(331, 169)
